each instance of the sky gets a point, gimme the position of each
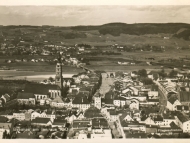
(93, 15)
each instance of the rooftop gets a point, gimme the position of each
(40, 88)
(25, 95)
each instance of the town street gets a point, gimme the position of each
(106, 84)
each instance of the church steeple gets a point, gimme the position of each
(58, 76)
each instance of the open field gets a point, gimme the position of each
(96, 39)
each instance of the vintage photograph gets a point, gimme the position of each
(95, 71)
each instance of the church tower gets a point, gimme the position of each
(58, 76)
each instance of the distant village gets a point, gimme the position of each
(97, 104)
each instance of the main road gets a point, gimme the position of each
(107, 82)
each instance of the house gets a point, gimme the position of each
(184, 97)
(182, 121)
(81, 102)
(107, 103)
(153, 92)
(8, 127)
(50, 114)
(182, 108)
(126, 116)
(26, 98)
(147, 120)
(119, 101)
(100, 125)
(41, 121)
(81, 124)
(60, 123)
(151, 129)
(112, 114)
(171, 129)
(19, 115)
(72, 117)
(153, 101)
(133, 104)
(133, 126)
(35, 114)
(159, 120)
(100, 129)
(97, 101)
(168, 118)
(172, 103)
(57, 102)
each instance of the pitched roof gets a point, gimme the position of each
(41, 120)
(124, 115)
(153, 100)
(181, 117)
(168, 116)
(109, 95)
(40, 88)
(81, 123)
(112, 112)
(172, 99)
(174, 126)
(58, 99)
(59, 122)
(100, 123)
(107, 101)
(158, 118)
(25, 95)
(80, 100)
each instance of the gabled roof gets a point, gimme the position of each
(124, 115)
(172, 99)
(40, 88)
(81, 123)
(109, 95)
(158, 118)
(25, 95)
(144, 117)
(153, 100)
(181, 117)
(59, 122)
(120, 98)
(80, 100)
(100, 123)
(107, 101)
(174, 126)
(168, 116)
(58, 99)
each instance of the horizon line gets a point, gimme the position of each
(97, 25)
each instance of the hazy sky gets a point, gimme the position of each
(91, 15)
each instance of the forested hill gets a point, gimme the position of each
(116, 29)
